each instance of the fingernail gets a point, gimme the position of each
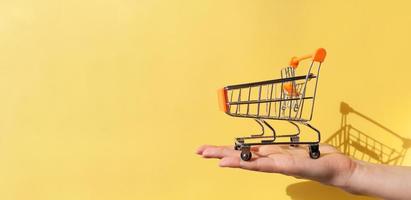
(200, 149)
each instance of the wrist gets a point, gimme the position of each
(354, 183)
(383, 181)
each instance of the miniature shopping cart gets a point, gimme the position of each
(290, 98)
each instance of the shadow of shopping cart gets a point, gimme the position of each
(356, 143)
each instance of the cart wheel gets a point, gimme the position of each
(294, 139)
(236, 147)
(314, 151)
(246, 155)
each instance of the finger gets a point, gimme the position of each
(202, 148)
(220, 152)
(255, 148)
(278, 163)
(232, 162)
(262, 164)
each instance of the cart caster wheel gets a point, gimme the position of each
(246, 155)
(294, 139)
(236, 147)
(314, 151)
(315, 155)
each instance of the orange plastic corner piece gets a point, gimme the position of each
(320, 55)
(222, 99)
(294, 62)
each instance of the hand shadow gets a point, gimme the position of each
(310, 190)
(355, 143)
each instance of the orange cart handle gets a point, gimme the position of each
(222, 99)
(318, 56)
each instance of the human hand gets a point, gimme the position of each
(332, 168)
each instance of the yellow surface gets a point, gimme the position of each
(110, 99)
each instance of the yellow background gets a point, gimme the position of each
(110, 99)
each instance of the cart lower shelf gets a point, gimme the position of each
(245, 148)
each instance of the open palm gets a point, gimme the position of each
(333, 167)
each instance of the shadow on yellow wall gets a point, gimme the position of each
(358, 144)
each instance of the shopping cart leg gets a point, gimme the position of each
(295, 138)
(314, 148)
(272, 129)
(316, 130)
(239, 143)
(262, 128)
(294, 141)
